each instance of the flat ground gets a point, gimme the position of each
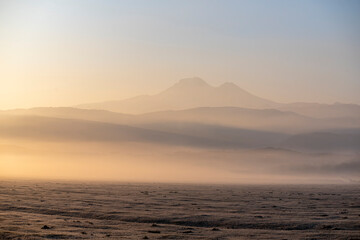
(162, 211)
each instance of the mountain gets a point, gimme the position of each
(194, 93)
(187, 93)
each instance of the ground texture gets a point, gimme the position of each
(58, 210)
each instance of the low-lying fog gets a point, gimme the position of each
(143, 162)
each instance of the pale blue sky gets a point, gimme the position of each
(63, 52)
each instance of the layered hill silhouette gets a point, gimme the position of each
(200, 135)
(57, 129)
(223, 127)
(245, 118)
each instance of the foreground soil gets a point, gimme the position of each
(63, 210)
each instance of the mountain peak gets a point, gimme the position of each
(193, 82)
(228, 85)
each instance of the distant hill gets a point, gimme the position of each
(235, 117)
(40, 128)
(317, 110)
(194, 134)
(36, 128)
(324, 141)
(73, 113)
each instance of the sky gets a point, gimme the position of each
(63, 52)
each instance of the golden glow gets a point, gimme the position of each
(65, 53)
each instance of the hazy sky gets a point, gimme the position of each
(62, 52)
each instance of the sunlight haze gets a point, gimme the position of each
(65, 53)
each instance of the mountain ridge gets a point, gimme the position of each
(186, 93)
(190, 93)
